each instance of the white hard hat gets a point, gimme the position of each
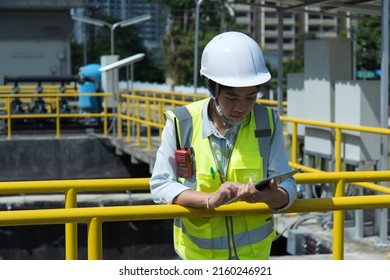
(234, 59)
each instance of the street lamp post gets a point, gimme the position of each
(112, 27)
(197, 8)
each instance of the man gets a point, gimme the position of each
(214, 149)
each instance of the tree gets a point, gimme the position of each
(367, 35)
(178, 44)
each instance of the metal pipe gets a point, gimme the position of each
(49, 79)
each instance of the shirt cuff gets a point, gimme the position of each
(290, 189)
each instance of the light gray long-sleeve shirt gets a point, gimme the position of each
(163, 184)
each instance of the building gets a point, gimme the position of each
(260, 19)
(35, 37)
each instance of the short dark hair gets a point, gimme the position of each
(213, 87)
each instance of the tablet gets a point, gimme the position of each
(263, 183)
(279, 178)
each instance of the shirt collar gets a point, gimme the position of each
(208, 127)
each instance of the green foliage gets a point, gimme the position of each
(77, 59)
(368, 43)
(178, 45)
(293, 66)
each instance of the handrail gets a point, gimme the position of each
(95, 216)
(145, 108)
(142, 110)
(337, 126)
(154, 104)
(55, 99)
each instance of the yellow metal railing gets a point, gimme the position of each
(94, 217)
(145, 109)
(53, 101)
(70, 188)
(46, 88)
(338, 127)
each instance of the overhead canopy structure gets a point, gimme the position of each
(332, 7)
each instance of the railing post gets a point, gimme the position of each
(128, 127)
(154, 104)
(119, 117)
(148, 128)
(294, 144)
(58, 117)
(338, 150)
(138, 125)
(8, 117)
(95, 240)
(105, 118)
(71, 243)
(338, 225)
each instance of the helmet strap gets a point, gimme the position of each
(226, 121)
(213, 88)
(214, 95)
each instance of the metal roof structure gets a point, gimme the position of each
(331, 7)
(41, 5)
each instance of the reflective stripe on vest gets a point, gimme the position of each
(185, 122)
(263, 133)
(247, 238)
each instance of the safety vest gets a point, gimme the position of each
(237, 237)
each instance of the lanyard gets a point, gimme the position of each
(215, 150)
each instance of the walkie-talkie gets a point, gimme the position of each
(183, 158)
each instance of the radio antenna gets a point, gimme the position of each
(177, 136)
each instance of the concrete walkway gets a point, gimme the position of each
(366, 248)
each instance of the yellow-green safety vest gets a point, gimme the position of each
(238, 237)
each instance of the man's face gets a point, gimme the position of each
(236, 103)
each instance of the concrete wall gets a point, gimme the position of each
(77, 158)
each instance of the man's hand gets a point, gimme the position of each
(223, 194)
(271, 194)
